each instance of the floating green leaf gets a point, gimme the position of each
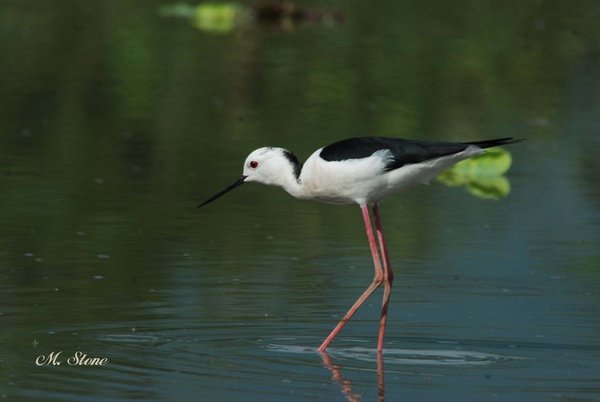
(494, 162)
(217, 18)
(482, 174)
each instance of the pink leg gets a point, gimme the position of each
(388, 278)
(377, 280)
(380, 381)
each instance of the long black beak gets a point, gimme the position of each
(239, 182)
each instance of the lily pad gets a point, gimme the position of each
(216, 18)
(494, 162)
(482, 174)
(219, 18)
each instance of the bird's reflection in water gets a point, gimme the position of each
(346, 385)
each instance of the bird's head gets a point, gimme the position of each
(267, 165)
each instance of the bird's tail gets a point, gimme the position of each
(495, 143)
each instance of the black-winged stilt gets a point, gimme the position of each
(362, 171)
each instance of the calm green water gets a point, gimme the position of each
(115, 121)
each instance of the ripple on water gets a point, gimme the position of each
(408, 357)
(133, 339)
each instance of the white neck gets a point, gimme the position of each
(292, 185)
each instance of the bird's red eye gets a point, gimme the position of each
(253, 164)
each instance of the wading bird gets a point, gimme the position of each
(362, 171)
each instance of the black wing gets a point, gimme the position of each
(404, 151)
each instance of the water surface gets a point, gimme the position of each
(116, 121)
